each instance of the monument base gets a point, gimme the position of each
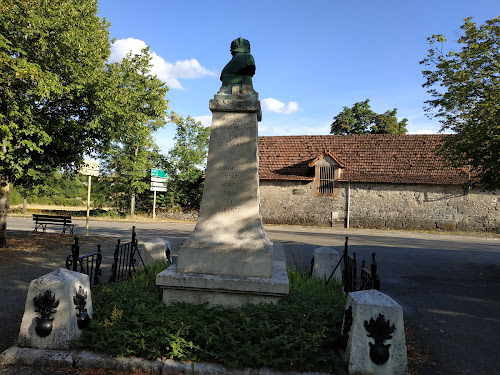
(231, 291)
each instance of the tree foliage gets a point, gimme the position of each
(52, 55)
(59, 188)
(465, 87)
(136, 109)
(361, 119)
(186, 162)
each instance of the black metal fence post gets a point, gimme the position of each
(125, 259)
(97, 268)
(72, 259)
(369, 278)
(114, 267)
(75, 252)
(375, 277)
(89, 264)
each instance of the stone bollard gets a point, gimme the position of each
(325, 259)
(58, 307)
(373, 335)
(155, 250)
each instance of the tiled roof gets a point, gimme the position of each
(378, 158)
(325, 153)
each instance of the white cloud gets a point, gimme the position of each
(168, 72)
(205, 120)
(271, 128)
(425, 131)
(429, 131)
(274, 105)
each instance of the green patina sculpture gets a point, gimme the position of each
(241, 68)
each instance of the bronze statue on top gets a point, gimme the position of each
(236, 93)
(241, 68)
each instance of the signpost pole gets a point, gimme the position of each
(154, 204)
(89, 168)
(88, 206)
(158, 183)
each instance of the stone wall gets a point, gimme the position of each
(425, 207)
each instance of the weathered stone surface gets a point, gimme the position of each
(89, 360)
(154, 250)
(229, 238)
(64, 285)
(420, 207)
(175, 368)
(225, 290)
(229, 105)
(325, 261)
(36, 357)
(373, 306)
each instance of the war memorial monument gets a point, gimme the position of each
(228, 259)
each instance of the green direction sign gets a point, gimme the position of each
(158, 173)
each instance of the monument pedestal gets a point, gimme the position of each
(228, 259)
(233, 291)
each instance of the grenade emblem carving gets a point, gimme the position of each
(380, 330)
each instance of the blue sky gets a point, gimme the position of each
(313, 57)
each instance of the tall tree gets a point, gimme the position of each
(387, 123)
(52, 55)
(354, 120)
(361, 119)
(465, 86)
(186, 162)
(139, 109)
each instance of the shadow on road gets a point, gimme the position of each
(448, 285)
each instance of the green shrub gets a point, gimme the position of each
(299, 333)
(99, 212)
(15, 197)
(62, 201)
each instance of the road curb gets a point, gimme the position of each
(61, 359)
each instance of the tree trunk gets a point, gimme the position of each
(132, 198)
(132, 206)
(25, 205)
(4, 207)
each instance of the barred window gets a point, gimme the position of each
(326, 180)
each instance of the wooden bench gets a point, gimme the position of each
(41, 221)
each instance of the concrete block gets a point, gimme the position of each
(56, 321)
(89, 360)
(138, 365)
(373, 330)
(16, 356)
(325, 261)
(175, 368)
(154, 250)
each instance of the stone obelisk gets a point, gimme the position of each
(228, 259)
(229, 238)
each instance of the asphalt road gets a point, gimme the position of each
(448, 285)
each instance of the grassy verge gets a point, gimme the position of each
(299, 333)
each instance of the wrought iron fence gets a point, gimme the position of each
(124, 259)
(369, 278)
(89, 264)
(350, 273)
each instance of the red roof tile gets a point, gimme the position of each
(378, 158)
